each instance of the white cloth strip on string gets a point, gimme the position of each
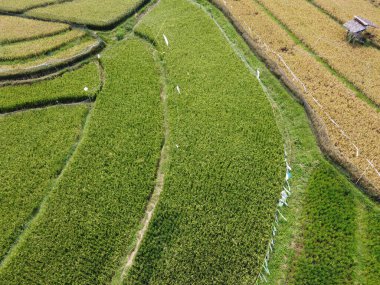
(166, 40)
(373, 166)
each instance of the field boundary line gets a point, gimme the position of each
(70, 156)
(107, 27)
(44, 5)
(72, 101)
(43, 53)
(160, 174)
(52, 64)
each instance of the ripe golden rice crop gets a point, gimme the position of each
(346, 10)
(360, 65)
(32, 48)
(359, 121)
(21, 5)
(15, 29)
(88, 12)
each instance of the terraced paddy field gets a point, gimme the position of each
(23, 5)
(98, 14)
(171, 146)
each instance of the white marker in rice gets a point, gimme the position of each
(166, 40)
(85, 89)
(178, 89)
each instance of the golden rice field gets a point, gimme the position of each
(21, 5)
(15, 29)
(346, 10)
(88, 12)
(26, 49)
(376, 3)
(328, 39)
(358, 122)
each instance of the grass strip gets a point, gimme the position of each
(213, 221)
(91, 217)
(94, 13)
(58, 59)
(14, 29)
(35, 145)
(69, 87)
(28, 49)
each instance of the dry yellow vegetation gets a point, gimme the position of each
(376, 3)
(62, 57)
(88, 12)
(350, 123)
(36, 47)
(13, 29)
(21, 5)
(359, 64)
(345, 10)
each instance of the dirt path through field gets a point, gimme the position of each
(160, 176)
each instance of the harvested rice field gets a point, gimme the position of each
(189, 142)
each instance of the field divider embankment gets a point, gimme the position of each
(18, 15)
(37, 211)
(43, 5)
(54, 33)
(51, 65)
(357, 90)
(161, 166)
(46, 104)
(42, 78)
(107, 27)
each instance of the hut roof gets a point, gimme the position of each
(358, 24)
(365, 22)
(354, 26)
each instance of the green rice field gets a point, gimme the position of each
(158, 142)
